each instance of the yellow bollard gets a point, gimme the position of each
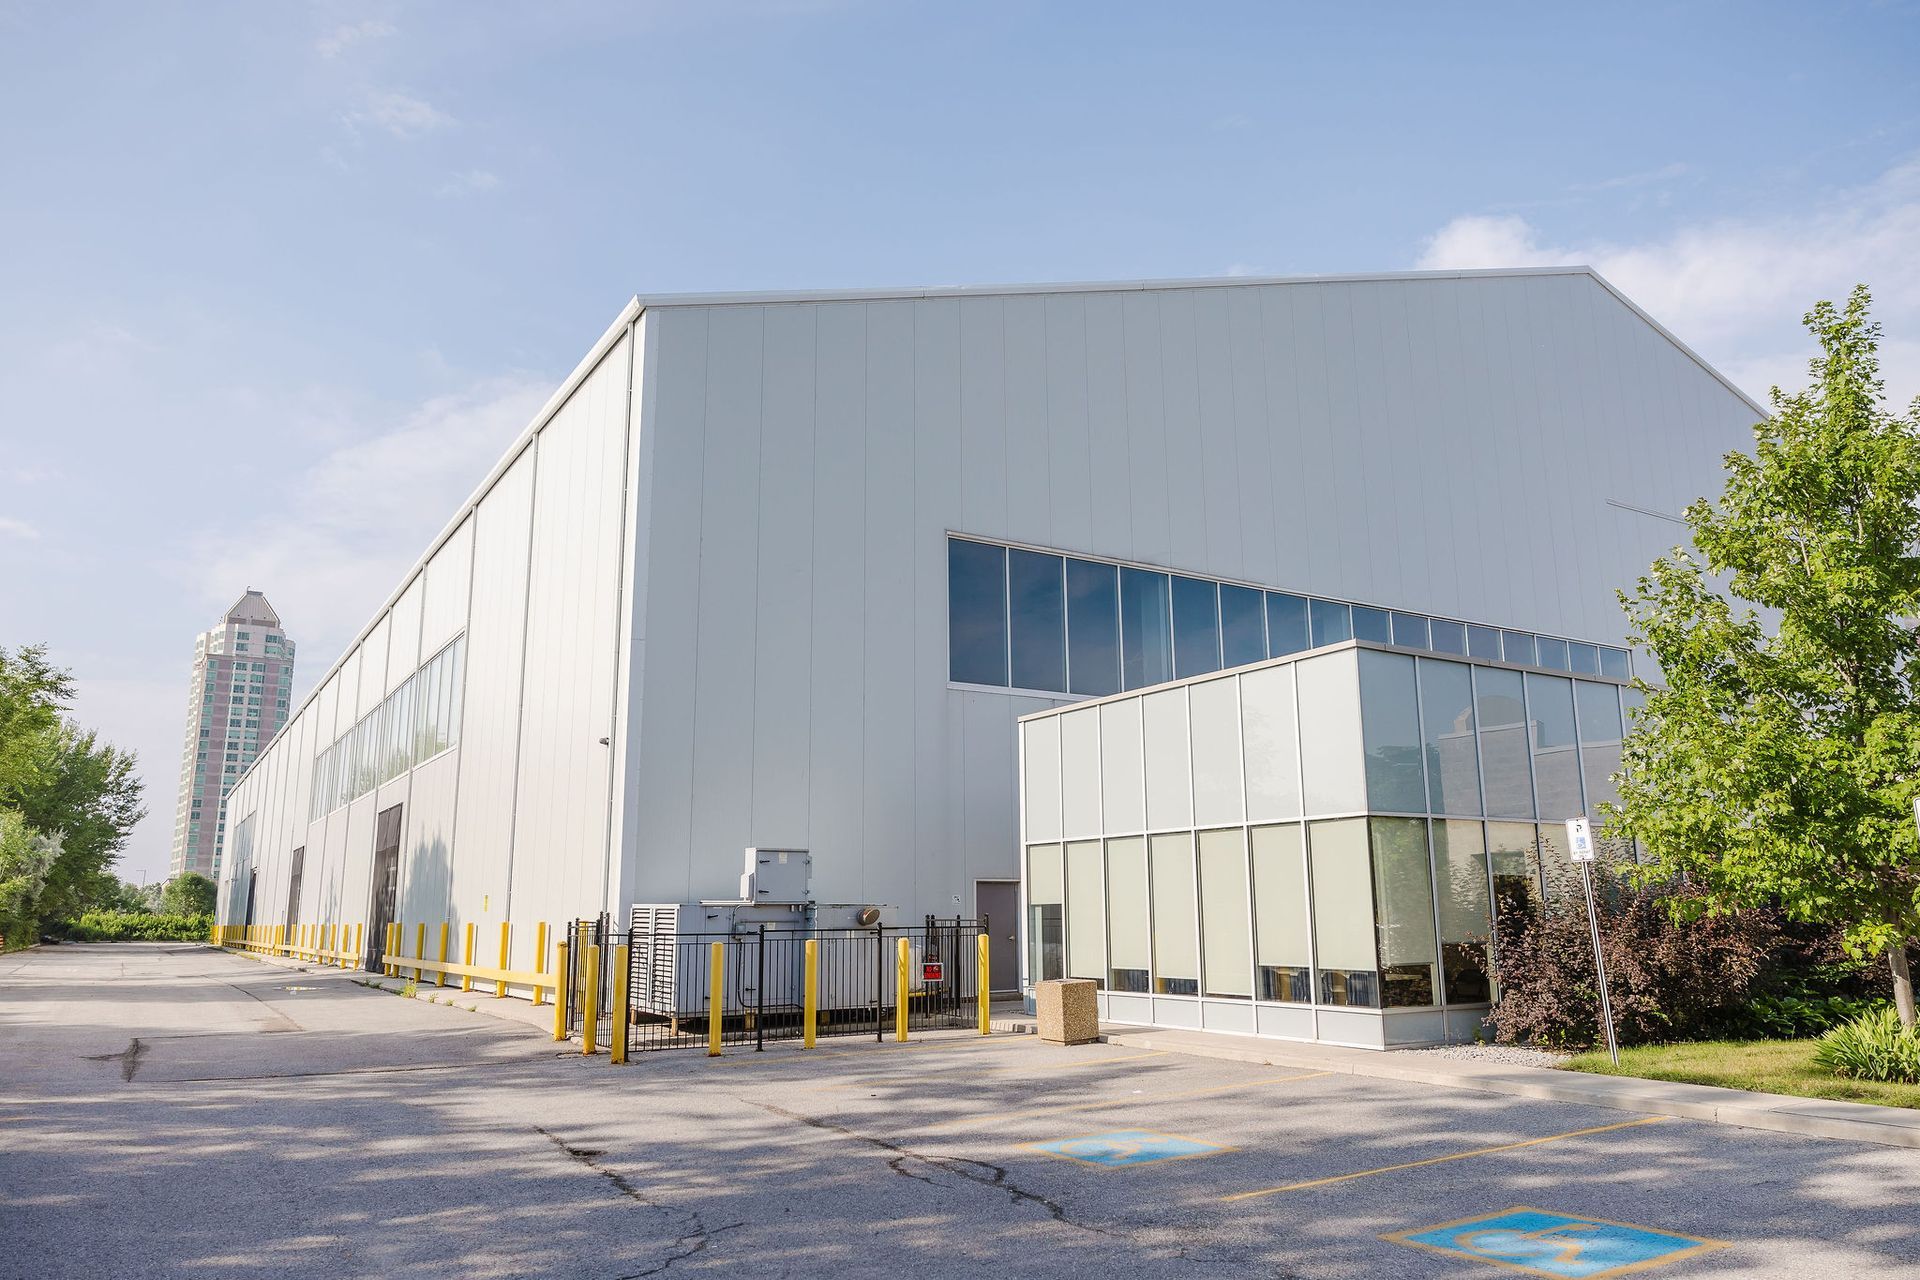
(466, 979)
(986, 986)
(419, 950)
(582, 939)
(622, 968)
(500, 984)
(540, 960)
(716, 984)
(590, 1004)
(560, 992)
(359, 936)
(900, 993)
(440, 978)
(810, 995)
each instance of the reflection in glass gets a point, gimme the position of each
(1331, 623)
(1599, 709)
(1517, 647)
(1286, 624)
(1446, 723)
(1223, 914)
(1196, 628)
(1176, 951)
(1614, 664)
(1516, 878)
(1449, 637)
(1403, 903)
(1583, 658)
(1093, 629)
(1557, 874)
(1390, 730)
(1283, 953)
(1460, 889)
(976, 613)
(1372, 624)
(1046, 886)
(1553, 654)
(1483, 642)
(1243, 629)
(1039, 620)
(1146, 639)
(1410, 631)
(1556, 762)
(1343, 926)
(1500, 707)
(1129, 951)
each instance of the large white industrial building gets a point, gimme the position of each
(784, 570)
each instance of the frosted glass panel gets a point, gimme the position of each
(1343, 911)
(1169, 781)
(1080, 772)
(1215, 709)
(1176, 948)
(1283, 951)
(1332, 770)
(1045, 880)
(1042, 799)
(1123, 795)
(1086, 914)
(1225, 927)
(1267, 737)
(1127, 922)
(1046, 922)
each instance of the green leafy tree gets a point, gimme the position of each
(26, 856)
(189, 894)
(1779, 760)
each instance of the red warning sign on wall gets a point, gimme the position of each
(933, 971)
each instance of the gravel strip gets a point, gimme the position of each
(1505, 1054)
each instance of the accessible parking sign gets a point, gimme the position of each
(1557, 1244)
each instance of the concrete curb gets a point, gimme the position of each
(1780, 1113)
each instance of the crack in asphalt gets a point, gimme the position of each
(695, 1234)
(128, 1058)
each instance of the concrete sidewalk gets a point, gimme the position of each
(1781, 1113)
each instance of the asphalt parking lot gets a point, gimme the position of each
(173, 1110)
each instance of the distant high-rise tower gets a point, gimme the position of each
(242, 681)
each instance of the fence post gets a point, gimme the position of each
(419, 950)
(986, 984)
(466, 979)
(440, 978)
(810, 998)
(900, 991)
(560, 992)
(500, 984)
(716, 980)
(590, 1005)
(622, 969)
(540, 960)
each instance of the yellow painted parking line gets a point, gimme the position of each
(1129, 1100)
(1458, 1155)
(1030, 1067)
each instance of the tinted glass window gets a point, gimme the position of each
(1449, 637)
(1146, 653)
(1446, 722)
(1038, 610)
(1410, 630)
(1286, 624)
(1331, 623)
(1243, 631)
(1372, 624)
(1196, 627)
(1483, 642)
(1613, 664)
(1093, 628)
(976, 613)
(1517, 646)
(1390, 727)
(1501, 710)
(1556, 761)
(1585, 659)
(1553, 654)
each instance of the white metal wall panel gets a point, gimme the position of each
(429, 888)
(443, 608)
(403, 640)
(373, 667)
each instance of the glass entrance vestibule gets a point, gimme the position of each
(1311, 847)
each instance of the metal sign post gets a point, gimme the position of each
(1580, 849)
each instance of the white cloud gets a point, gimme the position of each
(1734, 288)
(400, 114)
(351, 523)
(343, 38)
(16, 528)
(471, 182)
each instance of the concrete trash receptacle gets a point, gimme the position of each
(1066, 1010)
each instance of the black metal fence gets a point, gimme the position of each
(764, 980)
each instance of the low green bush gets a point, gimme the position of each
(1872, 1047)
(128, 926)
(1797, 1015)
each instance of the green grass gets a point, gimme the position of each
(1765, 1066)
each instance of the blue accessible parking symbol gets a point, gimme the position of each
(1556, 1244)
(1126, 1147)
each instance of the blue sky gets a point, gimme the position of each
(281, 280)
